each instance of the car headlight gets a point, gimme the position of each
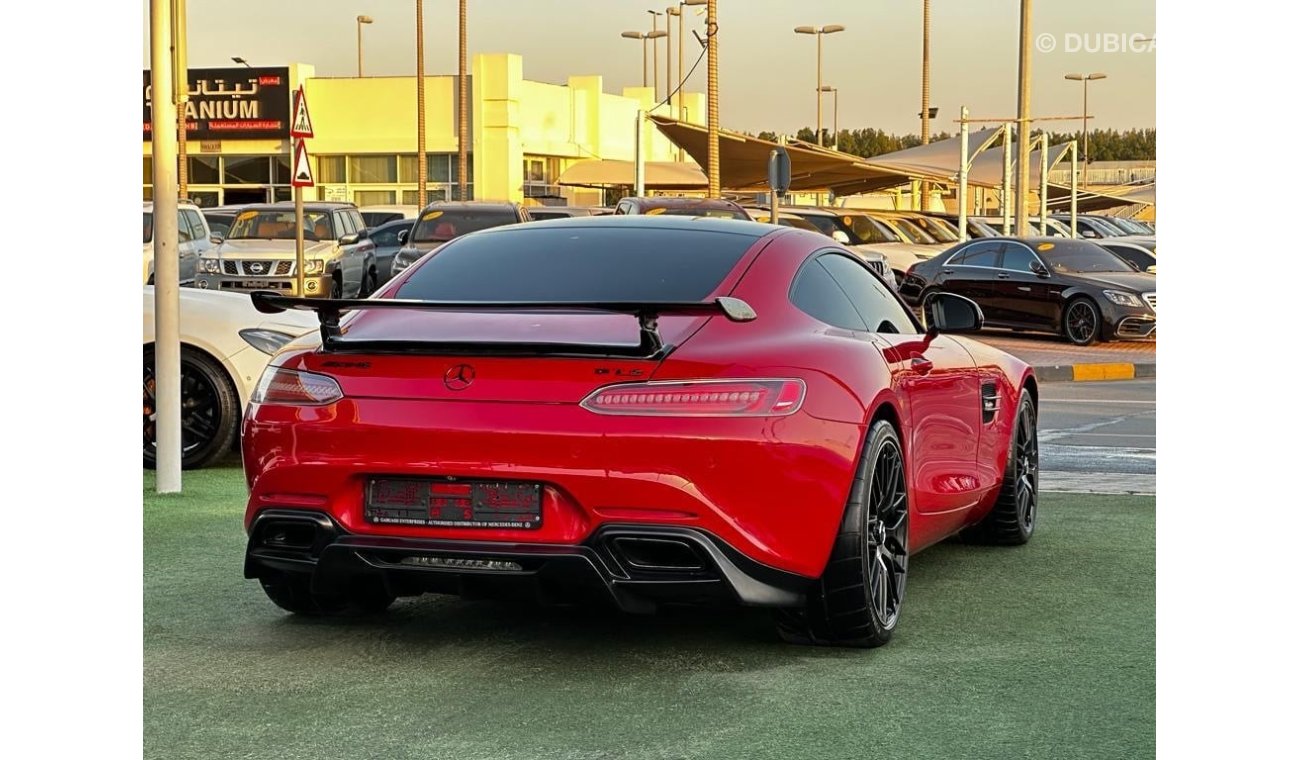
(1122, 298)
(209, 266)
(266, 341)
(314, 267)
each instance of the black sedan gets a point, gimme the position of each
(1074, 288)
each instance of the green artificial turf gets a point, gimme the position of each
(1041, 651)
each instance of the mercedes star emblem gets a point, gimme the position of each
(459, 377)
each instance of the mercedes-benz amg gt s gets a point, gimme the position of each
(639, 409)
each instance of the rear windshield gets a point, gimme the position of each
(544, 263)
(441, 225)
(716, 213)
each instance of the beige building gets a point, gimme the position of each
(523, 134)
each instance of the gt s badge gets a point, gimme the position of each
(620, 372)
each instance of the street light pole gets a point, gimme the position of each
(422, 171)
(645, 38)
(835, 140)
(1085, 80)
(819, 32)
(1022, 120)
(925, 93)
(654, 29)
(361, 20)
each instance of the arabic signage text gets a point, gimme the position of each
(232, 104)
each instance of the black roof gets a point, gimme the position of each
(673, 201)
(309, 205)
(471, 204)
(753, 230)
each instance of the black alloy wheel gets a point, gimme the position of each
(209, 410)
(1012, 519)
(336, 289)
(369, 282)
(857, 600)
(1082, 322)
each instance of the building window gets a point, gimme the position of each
(332, 170)
(283, 172)
(365, 198)
(247, 170)
(205, 170)
(372, 170)
(148, 170)
(408, 168)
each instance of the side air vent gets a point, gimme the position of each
(989, 401)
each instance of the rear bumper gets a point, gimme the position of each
(636, 567)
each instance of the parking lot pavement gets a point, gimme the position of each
(1045, 650)
(1098, 437)
(1052, 357)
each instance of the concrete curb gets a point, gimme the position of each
(1078, 373)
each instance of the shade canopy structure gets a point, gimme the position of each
(743, 162)
(660, 175)
(1091, 200)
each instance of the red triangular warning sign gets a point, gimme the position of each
(301, 167)
(301, 125)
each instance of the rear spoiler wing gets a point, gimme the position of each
(647, 313)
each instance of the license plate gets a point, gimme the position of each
(256, 284)
(454, 503)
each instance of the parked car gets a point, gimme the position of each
(1131, 226)
(194, 240)
(860, 231)
(389, 238)
(225, 344)
(1074, 288)
(692, 411)
(259, 252)
(220, 218)
(1141, 259)
(443, 221)
(674, 206)
(874, 259)
(539, 213)
(377, 215)
(976, 227)
(1101, 227)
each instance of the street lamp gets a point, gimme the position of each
(819, 32)
(654, 26)
(237, 59)
(361, 20)
(645, 53)
(827, 88)
(1085, 80)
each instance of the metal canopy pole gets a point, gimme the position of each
(166, 261)
(1006, 179)
(1074, 188)
(963, 172)
(1042, 184)
(180, 69)
(638, 179)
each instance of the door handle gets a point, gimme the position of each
(921, 365)
(1004, 275)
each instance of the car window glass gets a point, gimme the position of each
(979, 255)
(345, 225)
(196, 224)
(385, 237)
(816, 294)
(358, 222)
(1018, 258)
(183, 227)
(872, 299)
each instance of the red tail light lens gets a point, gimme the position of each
(700, 398)
(293, 388)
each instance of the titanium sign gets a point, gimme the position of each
(232, 104)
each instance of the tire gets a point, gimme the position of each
(292, 592)
(1012, 520)
(210, 410)
(857, 600)
(369, 282)
(336, 289)
(1082, 309)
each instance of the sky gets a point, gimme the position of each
(767, 73)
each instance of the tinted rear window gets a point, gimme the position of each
(441, 225)
(564, 263)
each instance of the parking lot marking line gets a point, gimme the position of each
(1094, 401)
(1118, 435)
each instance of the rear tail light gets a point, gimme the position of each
(293, 388)
(700, 398)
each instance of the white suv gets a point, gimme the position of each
(195, 239)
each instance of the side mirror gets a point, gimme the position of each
(216, 239)
(1039, 269)
(840, 236)
(402, 236)
(951, 313)
(1087, 233)
(349, 239)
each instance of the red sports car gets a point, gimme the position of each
(641, 409)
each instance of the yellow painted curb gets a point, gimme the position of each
(1114, 371)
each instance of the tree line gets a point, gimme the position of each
(1103, 144)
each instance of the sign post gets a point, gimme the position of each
(300, 129)
(778, 178)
